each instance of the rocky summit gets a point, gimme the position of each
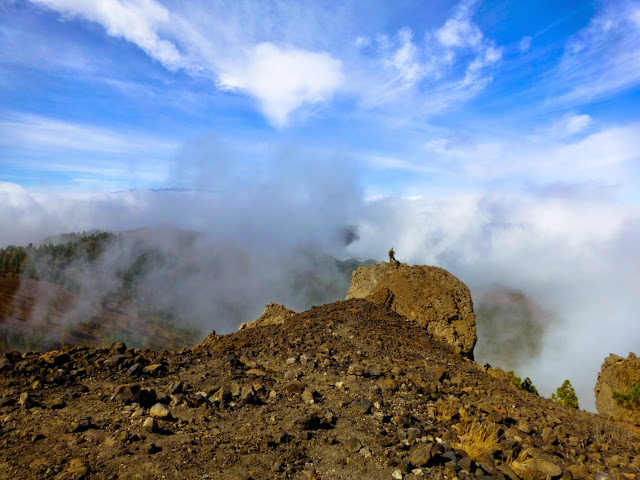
(348, 390)
(430, 296)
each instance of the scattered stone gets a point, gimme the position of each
(546, 468)
(155, 369)
(160, 411)
(247, 394)
(222, 396)
(77, 467)
(134, 393)
(5, 365)
(114, 360)
(151, 448)
(420, 455)
(362, 406)
(295, 387)
(273, 314)
(26, 400)
(118, 347)
(80, 424)
(352, 445)
(7, 402)
(388, 384)
(150, 424)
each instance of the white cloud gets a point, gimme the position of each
(459, 32)
(452, 64)
(570, 125)
(137, 21)
(404, 59)
(284, 79)
(288, 57)
(577, 123)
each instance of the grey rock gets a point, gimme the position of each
(362, 406)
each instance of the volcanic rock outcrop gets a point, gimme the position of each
(618, 375)
(431, 296)
(273, 314)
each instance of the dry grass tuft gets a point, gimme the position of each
(520, 464)
(478, 439)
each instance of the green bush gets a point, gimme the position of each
(525, 384)
(566, 395)
(632, 398)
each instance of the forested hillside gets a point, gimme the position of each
(150, 288)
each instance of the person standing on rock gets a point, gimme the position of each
(392, 257)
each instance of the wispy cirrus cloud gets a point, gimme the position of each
(19, 130)
(86, 154)
(600, 156)
(441, 67)
(601, 59)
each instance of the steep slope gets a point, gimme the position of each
(349, 390)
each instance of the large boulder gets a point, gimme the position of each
(430, 296)
(618, 375)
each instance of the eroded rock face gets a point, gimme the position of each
(431, 296)
(274, 314)
(621, 375)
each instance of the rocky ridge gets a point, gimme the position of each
(348, 390)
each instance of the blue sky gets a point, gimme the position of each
(437, 96)
(499, 140)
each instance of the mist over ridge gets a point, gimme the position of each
(245, 260)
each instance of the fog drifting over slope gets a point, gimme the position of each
(573, 253)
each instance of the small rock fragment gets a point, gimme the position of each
(26, 400)
(352, 445)
(150, 424)
(160, 411)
